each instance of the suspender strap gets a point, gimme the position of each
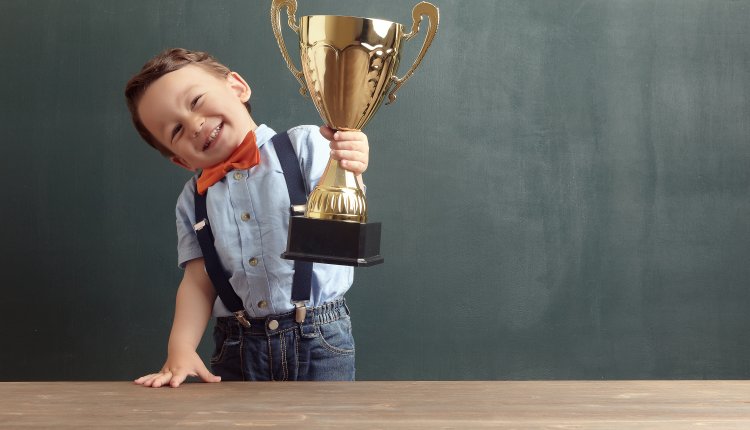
(302, 281)
(213, 266)
(295, 184)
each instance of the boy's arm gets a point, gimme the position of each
(195, 299)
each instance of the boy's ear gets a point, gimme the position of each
(239, 86)
(180, 162)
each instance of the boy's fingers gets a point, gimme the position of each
(140, 380)
(178, 378)
(149, 381)
(143, 379)
(353, 161)
(349, 145)
(349, 135)
(342, 154)
(327, 132)
(353, 166)
(161, 379)
(207, 376)
(341, 136)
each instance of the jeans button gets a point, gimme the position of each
(273, 324)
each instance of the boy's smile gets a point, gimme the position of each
(198, 115)
(213, 136)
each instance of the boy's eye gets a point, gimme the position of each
(195, 101)
(176, 130)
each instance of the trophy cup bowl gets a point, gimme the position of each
(349, 64)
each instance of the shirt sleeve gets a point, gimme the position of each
(188, 247)
(313, 152)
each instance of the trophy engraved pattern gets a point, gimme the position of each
(348, 84)
(341, 204)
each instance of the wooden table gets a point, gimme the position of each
(387, 405)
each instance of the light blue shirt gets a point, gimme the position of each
(249, 215)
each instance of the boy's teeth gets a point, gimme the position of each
(213, 134)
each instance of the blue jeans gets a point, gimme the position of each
(277, 348)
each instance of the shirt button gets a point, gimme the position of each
(238, 175)
(273, 324)
(262, 304)
(253, 261)
(245, 216)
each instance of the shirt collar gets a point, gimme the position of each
(263, 134)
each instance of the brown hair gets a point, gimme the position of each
(165, 62)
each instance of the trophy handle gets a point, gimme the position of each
(291, 10)
(431, 12)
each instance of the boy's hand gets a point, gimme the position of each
(349, 147)
(177, 368)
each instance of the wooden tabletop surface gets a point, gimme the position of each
(387, 405)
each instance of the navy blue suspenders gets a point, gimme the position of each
(301, 284)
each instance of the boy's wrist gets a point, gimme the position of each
(178, 346)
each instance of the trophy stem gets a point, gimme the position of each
(337, 196)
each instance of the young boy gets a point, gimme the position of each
(194, 111)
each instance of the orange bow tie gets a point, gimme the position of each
(244, 156)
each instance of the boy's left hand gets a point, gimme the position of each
(350, 148)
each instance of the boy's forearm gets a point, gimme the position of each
(195, 299)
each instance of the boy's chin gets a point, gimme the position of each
(181, 163)
(213, 162)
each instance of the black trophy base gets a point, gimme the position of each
(333, 242)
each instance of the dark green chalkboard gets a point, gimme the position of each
(564, 188)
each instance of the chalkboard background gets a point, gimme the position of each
(563, 185)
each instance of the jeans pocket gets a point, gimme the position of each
(224, 346)
(336, 336)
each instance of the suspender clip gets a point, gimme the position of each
(199, 225)
(240, 315)
(297, 210)
(299, 312)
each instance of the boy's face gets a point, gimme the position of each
(199, 116)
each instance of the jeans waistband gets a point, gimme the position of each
(325, 313)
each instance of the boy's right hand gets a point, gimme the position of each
(178, 367)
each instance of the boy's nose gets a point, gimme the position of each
(198, 126)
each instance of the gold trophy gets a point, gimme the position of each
(349, 64)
